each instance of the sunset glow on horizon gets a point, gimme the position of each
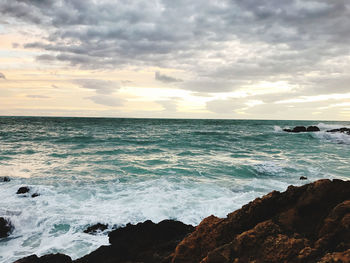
(171, 59)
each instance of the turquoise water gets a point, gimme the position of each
(116, 171)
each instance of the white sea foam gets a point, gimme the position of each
(336, 137)
(54, 221)
(327, 126)
(269, 167)
(277, 128)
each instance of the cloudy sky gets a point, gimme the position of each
(251, 59)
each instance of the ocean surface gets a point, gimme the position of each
(119, 171)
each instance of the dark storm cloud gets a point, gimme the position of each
(2, 76)
(164, 78)
(224, 44)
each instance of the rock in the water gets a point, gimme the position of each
(303, 129)
(296, 129)
(299, 129)
(23, 190)
(5, 227)
(303, 178)
(50, 258)
(341, 130)
(35, 195)
(144, 242)
(312, 129)
(5, 179)
(94, 229)
(310, 223)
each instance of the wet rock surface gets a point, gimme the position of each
(143, 242)
(51, 258)
(312, 129)
(26, 189)
(23, 190)
(94, 229)
(5, 227)
(298, 129)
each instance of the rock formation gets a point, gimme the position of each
(303, 129)
(26, 189)
(144, 242)
(51, 258)
(94, 229)
(310, 223)
(5, 227)
(341, 130)
(23, 190)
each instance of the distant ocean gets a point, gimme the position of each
(119, 171)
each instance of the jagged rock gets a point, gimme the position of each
(312, 129)
(50, 258)
(303, 178)
(94, 229)
(304, 224)
(23, 190)
(5, 227)
(341, 130)
(5, 179)
(144, 242)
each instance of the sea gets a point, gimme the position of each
(117, 171)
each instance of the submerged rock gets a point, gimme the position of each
(303, 178)
(5, 227)
(50, 258)
(35, 195)
(341, 130)
(23, 190)
(144, 242)
(309, 223)
(94, 229)
(26, 189)
(5, 179)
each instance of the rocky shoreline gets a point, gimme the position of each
(310, 223)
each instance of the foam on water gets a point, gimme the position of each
(336, 137)
(330, 126)
(55, 220)
(119, 171)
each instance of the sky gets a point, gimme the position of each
(236, 59)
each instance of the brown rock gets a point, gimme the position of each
(302, 224)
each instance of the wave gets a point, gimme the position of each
(337, 137)
(328, 126)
